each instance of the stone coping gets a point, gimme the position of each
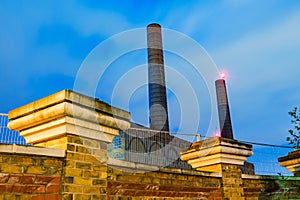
(266, 177)
(69, 96)
(148, 168)
(206, 154)
(291, 155)
(30, 150)
(217, 141)
(83, 113)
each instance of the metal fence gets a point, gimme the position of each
(8, 136)
(265, 156)
(265, 159)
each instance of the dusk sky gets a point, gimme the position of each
(44, 43)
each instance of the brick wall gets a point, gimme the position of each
(232, 183)
(69, 161)
(166, 183)
(29, 177)
(134, 182)
(85, 173)
(271, 187)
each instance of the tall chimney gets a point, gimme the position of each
(223, 109)
(158, 108)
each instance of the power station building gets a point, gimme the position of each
(156, 145)
(152, 145)
(78, 147)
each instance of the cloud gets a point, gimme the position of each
(265, 57)
(264, 69)
(33, 46)
(258, 44)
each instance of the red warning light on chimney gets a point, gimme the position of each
(222, 74)
(217, 134)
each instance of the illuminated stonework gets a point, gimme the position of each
(206, 155)
(68, 112)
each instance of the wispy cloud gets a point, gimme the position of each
(264, 71)
(257, 41)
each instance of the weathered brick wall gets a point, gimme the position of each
(232, 183)
(85, 173)
(29, 177)
(167, 183)
(271, 187)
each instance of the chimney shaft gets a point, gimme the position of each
(158, 108)
(223, 109)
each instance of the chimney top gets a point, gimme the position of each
(154, 25)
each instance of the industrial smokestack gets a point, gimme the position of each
(158, 108)
(223, 109)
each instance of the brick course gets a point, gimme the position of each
(29, 177)
(85, 174)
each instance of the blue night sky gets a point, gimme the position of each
(43, 44)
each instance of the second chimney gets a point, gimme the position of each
(158, 108)
(223, 109)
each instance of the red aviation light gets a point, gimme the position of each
(222, 74)
(217, 134)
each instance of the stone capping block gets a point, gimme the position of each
(67, 103)
(216, 145)
(217, 141)
(143, 167)
(291, 155)
(291, 162)
(30, 150)
(217, 150)
(265, 177)
(69, 96)
(68, 112)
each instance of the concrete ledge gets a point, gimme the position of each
(77, 112)
(265, 177)
(148, 168)
(131, 165)
(207, 154)
(69, 96)
(68, 112)
(29, 150)
(291, 162)
(64, 125)
(217, 145)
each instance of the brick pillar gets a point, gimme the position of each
(232, 182)
(80, 125)
(85, 173)
(222, 155)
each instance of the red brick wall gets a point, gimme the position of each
(165, 184)
(273, 187)
(29, 177)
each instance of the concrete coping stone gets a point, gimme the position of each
(217, 141)
(266, 177)
(71, 96)
(291, 155)
(30, 150)
(145, 167)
